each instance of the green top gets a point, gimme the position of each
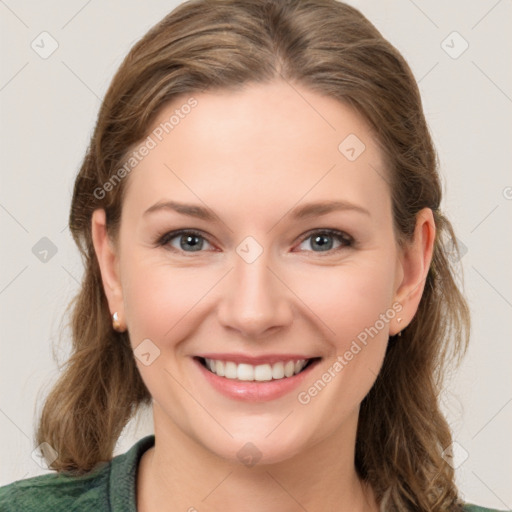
(108, 488)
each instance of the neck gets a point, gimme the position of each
(179, 474)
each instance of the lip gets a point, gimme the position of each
(254, 391)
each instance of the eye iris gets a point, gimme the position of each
(194, 241)
(323, 242)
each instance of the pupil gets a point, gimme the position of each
(189, 239)
(323, 244)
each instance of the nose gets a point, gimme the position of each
(256, 301)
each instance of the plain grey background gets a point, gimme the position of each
(460, 54)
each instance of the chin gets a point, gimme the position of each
(259, 452)
(258, 447)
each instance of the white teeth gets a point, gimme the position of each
(245, 372)
(259, 373)
(229, 370)
(278, 371)
(263, 372)
(219, 368)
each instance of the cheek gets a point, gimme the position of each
(354, 304)
(164, 304)
(355, 308)
(348, 299)
(160, 299)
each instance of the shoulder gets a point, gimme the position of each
(475, 508)
(108, 486)
(56, 491)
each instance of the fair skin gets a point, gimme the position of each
(250, 157)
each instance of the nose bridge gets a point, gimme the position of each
(255, 300)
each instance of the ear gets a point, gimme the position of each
(108, 261)
(415, 259)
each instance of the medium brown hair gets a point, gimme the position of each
(332, 49)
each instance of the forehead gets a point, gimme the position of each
(264, 146)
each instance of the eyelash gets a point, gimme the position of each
(345, 239)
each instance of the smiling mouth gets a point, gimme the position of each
(257, 373)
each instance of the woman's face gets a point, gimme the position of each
(267, 279)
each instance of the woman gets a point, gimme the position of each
(266, 265)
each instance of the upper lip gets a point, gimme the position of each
(255, 360)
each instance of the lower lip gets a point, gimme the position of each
(255, 391)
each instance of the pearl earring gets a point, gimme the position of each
(116, 324)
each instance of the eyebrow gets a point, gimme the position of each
(300, 212)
